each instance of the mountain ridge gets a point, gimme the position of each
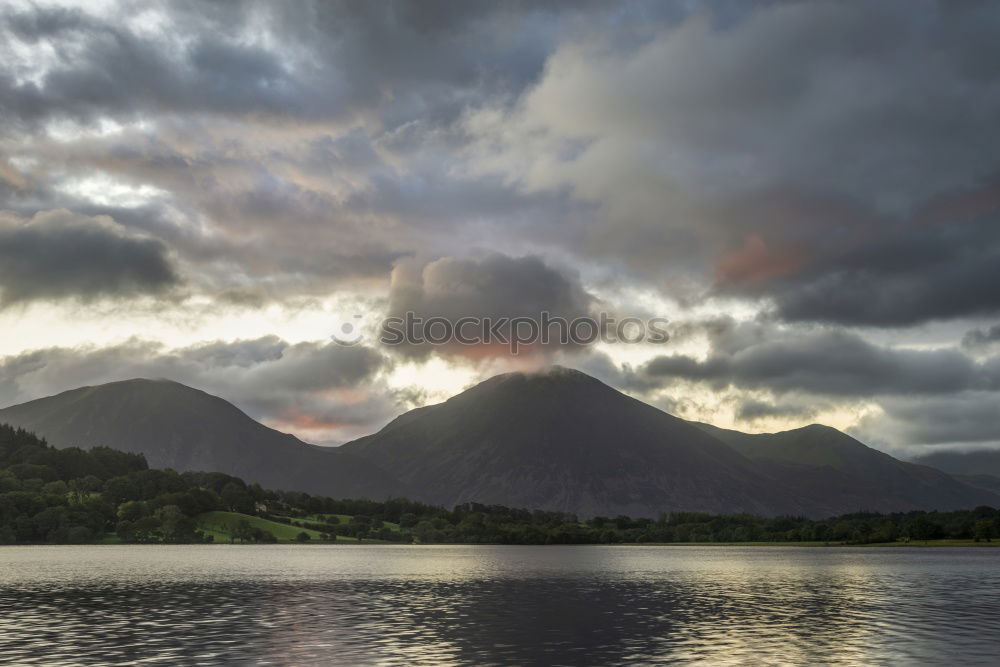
(556, 440)
(820, 459)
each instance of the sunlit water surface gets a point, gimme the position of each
(394, 605)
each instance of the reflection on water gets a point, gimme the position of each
(498, 605)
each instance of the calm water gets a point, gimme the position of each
(399, 605)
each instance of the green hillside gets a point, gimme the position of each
(220, 524)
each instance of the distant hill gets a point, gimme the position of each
(182, 428)
(977, 462)
(845, 475)
(559, 440)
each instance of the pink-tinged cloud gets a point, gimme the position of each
(758, 262)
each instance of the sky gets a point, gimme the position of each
(808, 191)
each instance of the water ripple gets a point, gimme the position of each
(297, 605)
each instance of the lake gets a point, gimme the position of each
(584, 605)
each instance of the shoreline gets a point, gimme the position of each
(929, 544)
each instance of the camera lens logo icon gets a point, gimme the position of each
(348, 332)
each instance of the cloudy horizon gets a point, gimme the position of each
(807, 191)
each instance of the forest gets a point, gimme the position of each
(73, 496)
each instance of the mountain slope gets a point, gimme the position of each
(182, 428)
(835, 469)
(565, 441)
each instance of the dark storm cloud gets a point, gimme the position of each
(495, 286)
(59, 255)
(835, 158)
(106, 69)
(912, 274)
(324, 59)
(309, 386)
(797, 152)
(824, 362)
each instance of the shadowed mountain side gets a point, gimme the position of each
(182, 428)
(987, 482)
(565, 441)
(846, 476)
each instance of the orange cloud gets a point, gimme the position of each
(312, 428)
(756, 262)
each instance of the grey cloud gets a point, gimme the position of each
(793, 152)
(293, 214)
(752, 409)
(321, 60)
(910, 424)
(110, 70)
(60, 255)
(494, 286)
(297, 197)
(981, 338)
(266, 231)
(824, 362)
(809, 145)
(910, 275)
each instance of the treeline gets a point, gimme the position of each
(50, 495)
(476, 523)
(76, 496)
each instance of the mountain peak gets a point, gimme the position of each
(553, 372)
(552, 377)
(560, 439)
(138, 382)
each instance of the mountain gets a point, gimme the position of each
(844, 475)
(987, 482)
(565, 441)
(559, 440)
(182, 428)
(978, 462)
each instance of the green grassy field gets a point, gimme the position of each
(216, 523)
